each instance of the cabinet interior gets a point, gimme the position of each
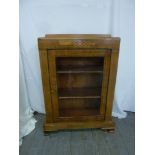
(79, 83)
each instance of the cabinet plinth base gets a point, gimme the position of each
(105, 125)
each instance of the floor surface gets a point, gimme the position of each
(82, 142)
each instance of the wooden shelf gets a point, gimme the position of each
(79, 69)
(79, 93)
(78, 112)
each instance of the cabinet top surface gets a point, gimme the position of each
(77, 36)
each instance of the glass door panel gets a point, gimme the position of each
(79, 85)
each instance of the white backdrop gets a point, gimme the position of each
(116, 17)
(26, 120)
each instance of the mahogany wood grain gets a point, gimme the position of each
(78, 75)
(79, 125)
(111, 85)
(77, 36)
(106, 68)
(53, 85)
(85, 43)
(46, 85)
(79, 103)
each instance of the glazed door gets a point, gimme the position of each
(79, 80)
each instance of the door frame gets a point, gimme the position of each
(51, 56)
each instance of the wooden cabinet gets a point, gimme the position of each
(78, 76)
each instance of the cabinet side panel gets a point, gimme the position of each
(106, 68)
(46, 85)
(111, 85)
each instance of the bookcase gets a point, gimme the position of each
(78, 76)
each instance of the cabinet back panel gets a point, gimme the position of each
(79, 61)
(87, 80)
(78, 103)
